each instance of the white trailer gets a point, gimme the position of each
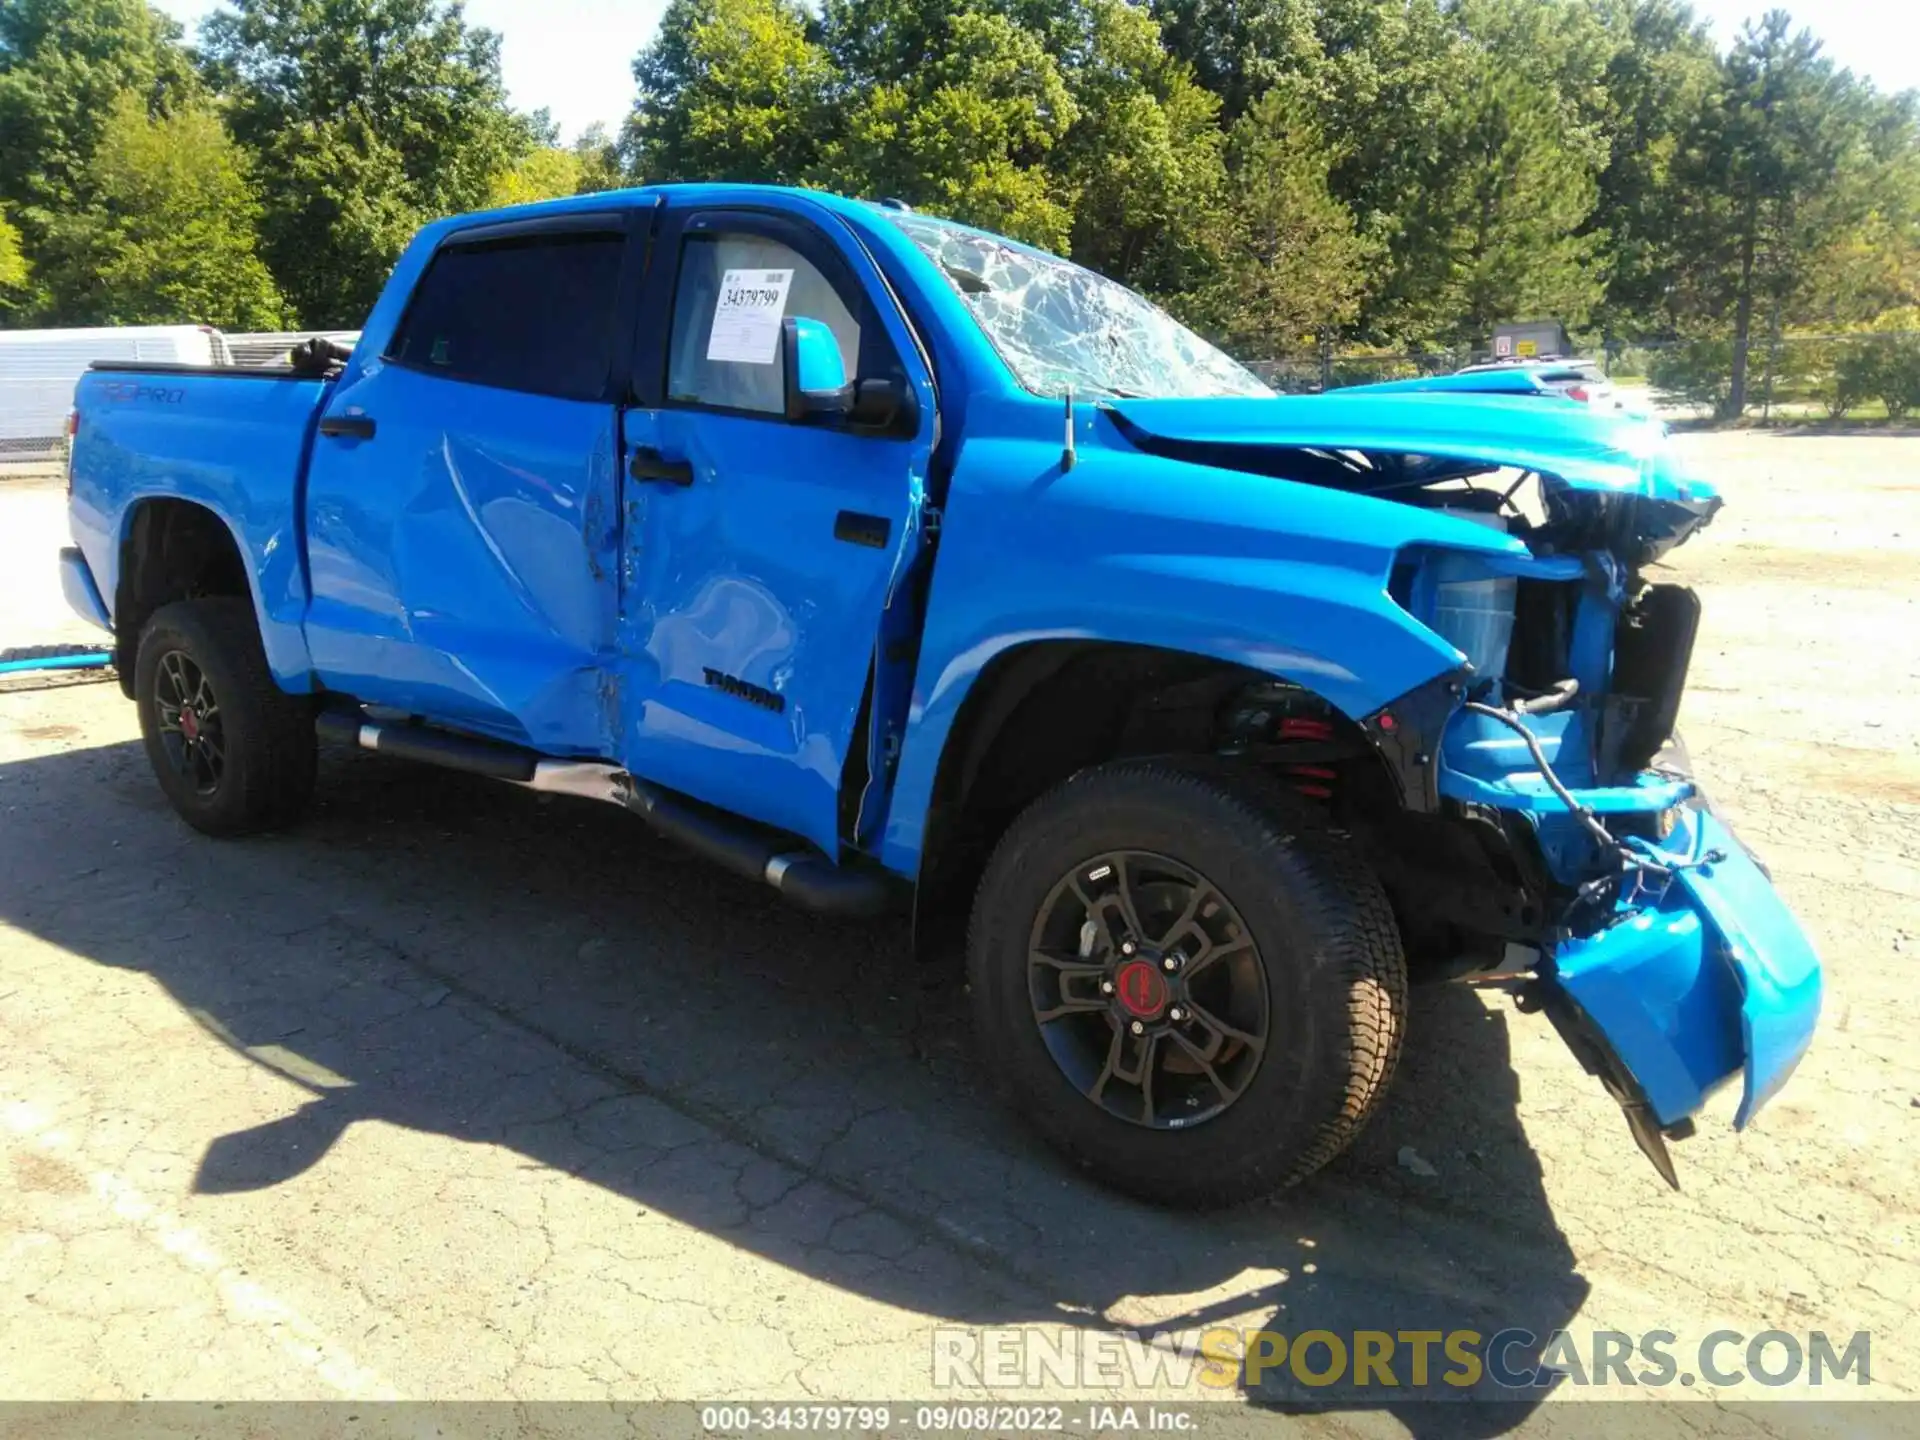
(39, 368)
(270, 347)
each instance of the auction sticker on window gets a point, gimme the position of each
(746, 321)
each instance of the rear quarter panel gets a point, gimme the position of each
(234, 445)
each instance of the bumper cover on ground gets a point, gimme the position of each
(1708, 977)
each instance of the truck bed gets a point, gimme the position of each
(234, 440)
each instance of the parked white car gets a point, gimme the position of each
(1581, 380)
(39, 368)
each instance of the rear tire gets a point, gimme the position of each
(233, 753)
(1319, 1005)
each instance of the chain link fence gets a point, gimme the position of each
(1311, 374)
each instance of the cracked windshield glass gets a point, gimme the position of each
(1060, 327)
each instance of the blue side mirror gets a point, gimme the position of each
(816, 377)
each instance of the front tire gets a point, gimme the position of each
(233, 753)
(1187, 981)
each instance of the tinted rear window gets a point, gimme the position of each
(529, 314)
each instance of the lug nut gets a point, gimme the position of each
(1137, 1028)
(1106, 987)
(1171, 963)
(1126, 947)
(1176, 1014)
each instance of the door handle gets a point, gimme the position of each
(857, 529)
(650, 464)
(347, 427)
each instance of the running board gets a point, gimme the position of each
(801, 874)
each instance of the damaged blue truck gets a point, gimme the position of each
(892, 564)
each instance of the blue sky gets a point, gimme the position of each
(572, 56)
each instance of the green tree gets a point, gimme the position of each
(368, 118)
(164, 229)
(63, 64)
(1240, 48)
(599, 157)
(1661, 71)
(1487, 159)
(1868, 262)
(1767, 173)
(1294, 267)
(14, 269)
(543, 174)
(550, 171)
(965, 132)
(1526, 186)
(1386, 82)
(729, 90)
(1143, 156)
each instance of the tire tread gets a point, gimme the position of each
(274, 784)
(1331, 891)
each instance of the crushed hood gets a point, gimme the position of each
(1580, 447)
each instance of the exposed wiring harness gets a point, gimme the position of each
(1588, 820)
(1637, 857)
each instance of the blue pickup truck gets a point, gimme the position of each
(888, 562)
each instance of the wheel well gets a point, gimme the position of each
(1044, 711)
(174, 550)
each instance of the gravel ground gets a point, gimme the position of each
(459, 1093)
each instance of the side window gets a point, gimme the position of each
(535, 313)
(734, 289)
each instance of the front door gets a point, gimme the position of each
(462, 502)
(762, 551)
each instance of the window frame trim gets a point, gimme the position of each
(806, 239)
(632, 226)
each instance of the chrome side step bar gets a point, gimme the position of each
(800, 873)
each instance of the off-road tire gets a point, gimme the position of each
(1336, 977)
(270, 748)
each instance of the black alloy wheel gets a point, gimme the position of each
(187, 712)
(1185, 979)
(233, 752)
(1148, 989)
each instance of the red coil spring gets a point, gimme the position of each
(1314, 781)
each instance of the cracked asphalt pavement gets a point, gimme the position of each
(458, 1092)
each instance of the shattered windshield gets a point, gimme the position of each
(1060, 327)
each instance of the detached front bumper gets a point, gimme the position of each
(1701, 976)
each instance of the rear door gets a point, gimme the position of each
(462, 502)
(762, 553)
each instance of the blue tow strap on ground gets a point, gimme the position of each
(53, 657)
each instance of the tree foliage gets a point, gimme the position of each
(13, 264)
(1764, 178)
(551, 170)
(369, 117)
(164, 228)
(1286, 173)
(63, 66)
(1293, 267)
(729, 90)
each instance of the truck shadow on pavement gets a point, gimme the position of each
(462, 958)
